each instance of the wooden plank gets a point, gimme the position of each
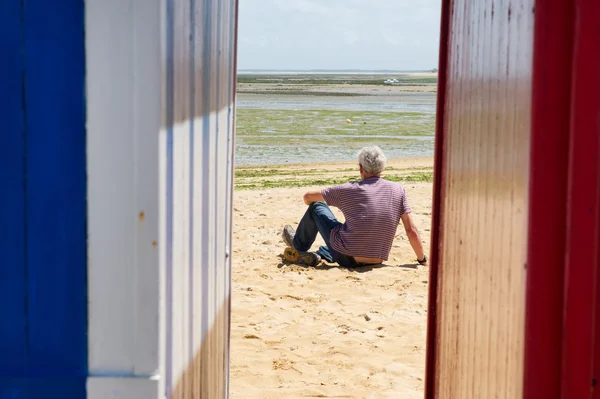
(596, 360)
(198, 247)
(13, 289)
(483, 195)
(112, 216)
(197, 169)
(146, 39)
(182, 354)
(583, 208)
(123, 70)
(56, 187)
(548, 169)
(437, 208)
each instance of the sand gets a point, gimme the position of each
(323, 332)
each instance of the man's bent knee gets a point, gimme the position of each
(317, 204)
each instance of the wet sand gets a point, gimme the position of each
(363, 84)
(373, 90)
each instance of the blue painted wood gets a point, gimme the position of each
(38, 388)
(12, 197)
(56, 186)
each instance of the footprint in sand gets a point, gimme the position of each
(284, 364)
(343, 329)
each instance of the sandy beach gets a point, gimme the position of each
(325, 331)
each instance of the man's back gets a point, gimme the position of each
(372, 209)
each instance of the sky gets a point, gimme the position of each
(338, 34)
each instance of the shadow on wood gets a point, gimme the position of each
(206, 377)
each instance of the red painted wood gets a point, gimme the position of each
(596, 366)
(562, 331)
(476, 345)
(437, 208)
(581, 265)
(548, 184)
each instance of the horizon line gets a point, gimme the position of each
(336, 70)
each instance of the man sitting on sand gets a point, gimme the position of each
(373, 209)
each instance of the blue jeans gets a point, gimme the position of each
(319, 219)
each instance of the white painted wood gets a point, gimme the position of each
(195, 291)
(181, 231)
(199, 328)
(146, 75)
(123, 121)
(164, 324)
(122, 388)
(152, 317)
(162, 214)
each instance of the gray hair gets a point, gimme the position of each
(372, 159)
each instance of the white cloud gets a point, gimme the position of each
(339, 34)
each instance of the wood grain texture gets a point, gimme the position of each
(196, 164)
(484, 201)
(440, 131)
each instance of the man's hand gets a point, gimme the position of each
(313, 196)
(413, 236)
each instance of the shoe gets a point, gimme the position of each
(288, 235)
(301, 258)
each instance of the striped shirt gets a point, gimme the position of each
(372, 209)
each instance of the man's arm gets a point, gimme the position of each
(413, 236)
(313, 196)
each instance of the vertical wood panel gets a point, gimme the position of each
(12, 200)
(56, 188)
(583, 209)
(596, 352)
(112, 216)
(482, 220)
(146, 116)
(43, 210)
(434, 283)
(199, 177)
(181, 191)
(552, 68)
(196, 169)
(123, 73)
